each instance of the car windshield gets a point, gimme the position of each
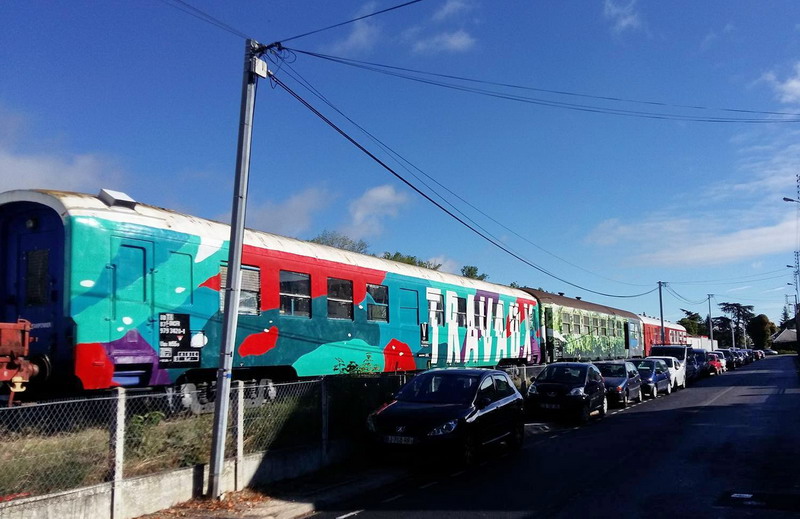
(679, 352)
(564, 374)
(645, 366)
(440, 388)
(612, 370)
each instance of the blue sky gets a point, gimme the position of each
(144, 98)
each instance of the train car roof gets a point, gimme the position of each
(657, 322)
(117, 206)
(569, 302)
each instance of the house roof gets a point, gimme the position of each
(787, 335)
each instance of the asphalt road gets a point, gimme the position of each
(729, 446)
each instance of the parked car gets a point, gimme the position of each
(655, 376)
(731, 360)
(677, 371)
(680, 352)
(452, 410)
(692, 369)
(574, 389)
(714, 363)
(703, 366)
(622, 380)
(769, 351)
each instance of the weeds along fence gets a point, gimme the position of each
(66, 445)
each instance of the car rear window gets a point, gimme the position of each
(440, 388)
(612, 370)
(564, 374)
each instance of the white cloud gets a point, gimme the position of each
(291, 217)
(451, 8)
(623, 16)
(448, 264)
(69, 172)
(458, 41)
(370, 209)
(788, 90)
(363, 34)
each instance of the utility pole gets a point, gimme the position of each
(661, 309)
(254, 68)
(710, 321)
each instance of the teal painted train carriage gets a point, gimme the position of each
(120, 293)
(581, 330)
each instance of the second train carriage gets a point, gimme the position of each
(673, 333)
(581, 330)
(125, 294)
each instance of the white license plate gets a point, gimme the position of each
(551, 406)
(400, 440)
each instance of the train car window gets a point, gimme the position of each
(566, 323)
(585, 328)
(36, 277)
(250, 291)
(603, 327)
(461, 312)
(295, 292)
(436, 305)
(378, 310)
(409, 306)
(340, 298)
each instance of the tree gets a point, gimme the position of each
(722, 331)
(760, 328)
(471, 271)
(787, 321)
(692, 322)
(739, 314)
(340, 241)
(411, 260)
(514, 284)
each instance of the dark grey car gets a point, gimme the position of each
(622, 380)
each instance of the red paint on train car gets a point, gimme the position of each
(214, 283)
(397, 356)
(93, 366)
(259, 343)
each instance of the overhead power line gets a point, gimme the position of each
(191, 10)
(351, 21)
(430, 79)
(434, 202)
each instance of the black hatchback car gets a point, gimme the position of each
(452, 411)
(622, 380)
(574, 389)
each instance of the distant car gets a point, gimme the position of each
(573, 389)
(731, 361)
(677, 371)
(770, 352)
(679, 351)
(655, 376)
(703, 366)
(692, 369)
(455, 411)
(622, 380)
(714, 363)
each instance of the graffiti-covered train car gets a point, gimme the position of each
(120, 293)
(581, 330)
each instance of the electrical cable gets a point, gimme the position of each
(434, 202)
(351, 21)
(189, 9)
(403, 162)
(397, 72)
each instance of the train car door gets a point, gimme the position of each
(33, 262)
(132, 322)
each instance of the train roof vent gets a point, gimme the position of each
(116, 198)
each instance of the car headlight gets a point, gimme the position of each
(532, 390)
(445, 428)
(578, 391)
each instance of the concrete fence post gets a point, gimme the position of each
(238, 414)
(325, 405)
(118, 449)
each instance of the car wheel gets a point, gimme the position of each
(469, 450)
(684, 384)
(604, 407)
(517, 437)
(669, 388)
(583, 414)
(639, 396)
(654, 392)
(625, 399)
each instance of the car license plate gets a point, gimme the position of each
(400, 440)
(551, 406)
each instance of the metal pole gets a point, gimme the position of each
(661, 309)
(233, 282)
(710, 321)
